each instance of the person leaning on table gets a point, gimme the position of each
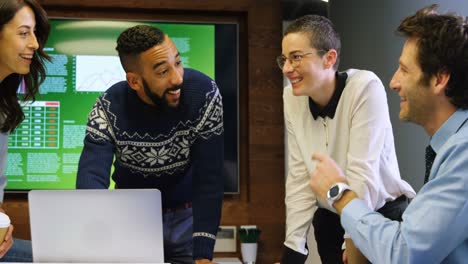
(164, 126)
(343, 114)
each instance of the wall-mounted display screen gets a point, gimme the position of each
(43, 152)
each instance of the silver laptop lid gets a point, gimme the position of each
(123, 226)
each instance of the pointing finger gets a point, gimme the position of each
(318, 156)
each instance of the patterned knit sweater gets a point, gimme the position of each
(178, 151)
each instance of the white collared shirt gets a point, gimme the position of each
(359, 138)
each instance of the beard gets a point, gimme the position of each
(160, 101)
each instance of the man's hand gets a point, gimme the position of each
(204, 261)
(6, 244)
(326, 174)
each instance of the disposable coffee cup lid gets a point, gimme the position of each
(4, 220)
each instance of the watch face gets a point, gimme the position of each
(334, 191)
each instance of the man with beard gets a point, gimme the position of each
(164, 127)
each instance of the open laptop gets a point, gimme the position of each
(102, 226)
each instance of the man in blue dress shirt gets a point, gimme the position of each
(432, 81)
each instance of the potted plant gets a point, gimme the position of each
(249, 242)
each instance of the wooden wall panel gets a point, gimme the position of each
(261, 200)
(168, 5)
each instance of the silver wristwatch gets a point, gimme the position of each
(335, 192)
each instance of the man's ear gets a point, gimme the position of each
(330, 58)
(441, 81)
(134, 80)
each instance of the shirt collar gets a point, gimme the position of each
(330, 109)
(450, 127)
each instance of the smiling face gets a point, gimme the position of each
(309, 76)
(18, 43)
(417, 98)
(161, 75)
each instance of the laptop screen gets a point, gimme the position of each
(96, 225)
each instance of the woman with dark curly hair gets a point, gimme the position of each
(24, 29)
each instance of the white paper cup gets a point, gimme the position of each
(4, 224)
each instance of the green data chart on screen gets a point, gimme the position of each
(43, 152)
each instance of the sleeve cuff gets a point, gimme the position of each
(292, 257)
(351, 214)
(203, 247)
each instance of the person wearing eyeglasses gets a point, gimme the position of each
(343, 114)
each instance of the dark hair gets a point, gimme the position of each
(136, 40)
(442, 41)
(321, 32)
(9, 105)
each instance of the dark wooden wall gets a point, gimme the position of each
(260, 201)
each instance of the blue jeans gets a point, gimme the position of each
(21, 251)
(178, 248)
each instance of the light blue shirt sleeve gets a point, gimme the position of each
(435, 224)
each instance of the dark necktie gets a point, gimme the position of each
(430, 156)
